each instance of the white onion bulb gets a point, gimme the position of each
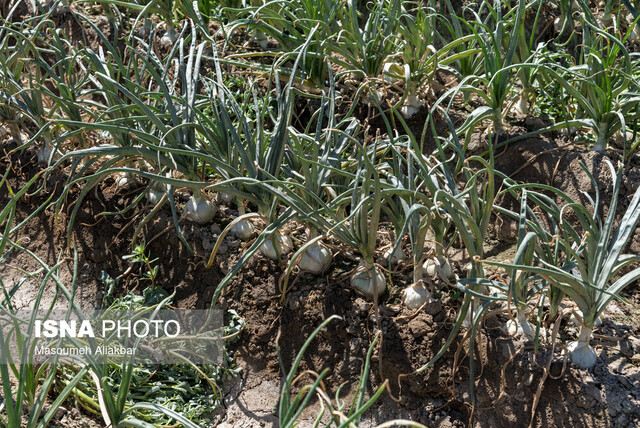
(261, 39)
(522, 105)
(45, 154)
(416, 295)
(468, 319)
(411, 106)
(125, 180)
(445, 268)
(438, 266)
(398, 255)
(368, 278)
(156, 192)
(225, 197)
(430, 267)
(200, 210)
(391, 72)
(520, 326)
(316, 259)
(154, 196)
(169, 37)
(283, 243)
(582, 354)
(557, 25)
(243, 229)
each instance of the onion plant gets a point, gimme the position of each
(364, 48)
(467, 56)
(351, 217)
(418, 179)
(291, 406)
(312, 161)
(21, 92)
(595, 252)
(412, 218)
(363, 198)
(601, 84)
(522, 285)
(166, 9)
(34, 381)
(543, 218)
(162, 121)
(296, 23)
(248, 153)
(419, 57)
(469, 209)
(498, 53)
(527, 51)
(365, 216)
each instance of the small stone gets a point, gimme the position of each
(362, 305)
(98, 256)
(507, 231)
(434, 307)
(60, 413)
(535, 123)
(223, 249)
(215, 229)
(206, 244)
(418, 327)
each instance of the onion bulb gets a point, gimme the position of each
(125, 180)
(438, 266)
(154, 196)
(261, 39)
(316, 259)
(200, 210)
(522, 105)
(582, 354)
(520, 325)
(155, 193)
(169, 37)
(573, 319)
(45, 154)
(225, 197)
(411, 106)
(468, 319)
(243, 229)
(283, 245)
(415, 295)
(366, 279)
(397, 256)
(445, 268)
(393, 72)
(430, 267)
(634, 36)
